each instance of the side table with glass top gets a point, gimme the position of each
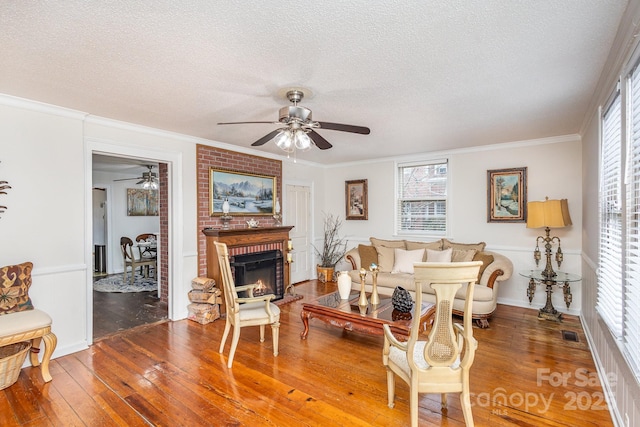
(536, 277)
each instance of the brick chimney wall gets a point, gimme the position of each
(210, 157)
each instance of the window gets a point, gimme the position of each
(610, 257)
(422, 198)
(619, 259)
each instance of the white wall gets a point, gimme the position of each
(45, 154)
(553, 171)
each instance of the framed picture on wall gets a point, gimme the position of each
(247, 194)
(507, 195)
(355, 193)
(142, 202)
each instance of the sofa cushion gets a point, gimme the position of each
(403, 260)
(388, 243)
(463, 246)
(368, 255)
(486, 260)
(462, 255)
(15, 281)
(386, 258)
(439, 256)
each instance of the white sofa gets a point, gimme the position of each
(395, 262)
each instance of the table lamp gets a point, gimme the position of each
(548, 214)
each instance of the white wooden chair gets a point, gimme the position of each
(241, 312)
(441, 364)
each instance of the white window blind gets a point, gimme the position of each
(610, 284)
(632, 286)
(422, 198)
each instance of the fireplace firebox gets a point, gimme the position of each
(263, 268)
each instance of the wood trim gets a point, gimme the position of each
(241, 237)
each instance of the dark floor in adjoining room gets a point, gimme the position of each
(115, 312)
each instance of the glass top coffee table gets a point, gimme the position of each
(348, 315)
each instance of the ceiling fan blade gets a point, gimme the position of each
(140, 182)
(320, 142)
(242, 123)
(126, 179)
(345, 128)
(268, 137)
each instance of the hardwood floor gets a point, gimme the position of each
(171, 374)
(114, 312)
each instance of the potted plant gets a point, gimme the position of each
(333, 248)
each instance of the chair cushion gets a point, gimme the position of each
(399, 358)
(255, 310)
(403, 262)
(15, 281)
(23, 321)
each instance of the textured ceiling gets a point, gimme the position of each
(423, 75)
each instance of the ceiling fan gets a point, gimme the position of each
(149, 179)
(299, 131)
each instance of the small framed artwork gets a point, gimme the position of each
(355, 194)
(247, 193)
(142, 202)
(507, 195)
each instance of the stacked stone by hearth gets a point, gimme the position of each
(205, 300)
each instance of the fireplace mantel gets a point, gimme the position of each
(246, 237)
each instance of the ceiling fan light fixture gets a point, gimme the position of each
(284, 141)
(302, 141)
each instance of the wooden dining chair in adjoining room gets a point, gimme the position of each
(440, 364)
(241, 312)
(131, 260)
(147, 248)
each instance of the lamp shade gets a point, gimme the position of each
(548, 213)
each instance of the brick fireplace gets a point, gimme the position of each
(242, 241)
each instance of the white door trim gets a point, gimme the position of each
(175, 212)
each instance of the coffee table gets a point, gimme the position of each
(348, 315)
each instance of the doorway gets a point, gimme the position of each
(121, 303)
(297, 212)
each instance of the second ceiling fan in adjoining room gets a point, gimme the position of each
(148, 180)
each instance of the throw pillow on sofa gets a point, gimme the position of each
(404, 260)
(15, 281)
(439, 256)
(486, 260)
(462, 255)
(463, 246)
(386, 257)
(368, 255)
(412, 246)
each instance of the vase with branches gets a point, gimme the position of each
(333, 248)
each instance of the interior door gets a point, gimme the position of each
(297, 212)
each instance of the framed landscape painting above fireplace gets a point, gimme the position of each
(247, 194)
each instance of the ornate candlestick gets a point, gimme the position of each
(362, 302)
(375, 298)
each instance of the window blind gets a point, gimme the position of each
(422, 198)
(610, 284)
(632, 286)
